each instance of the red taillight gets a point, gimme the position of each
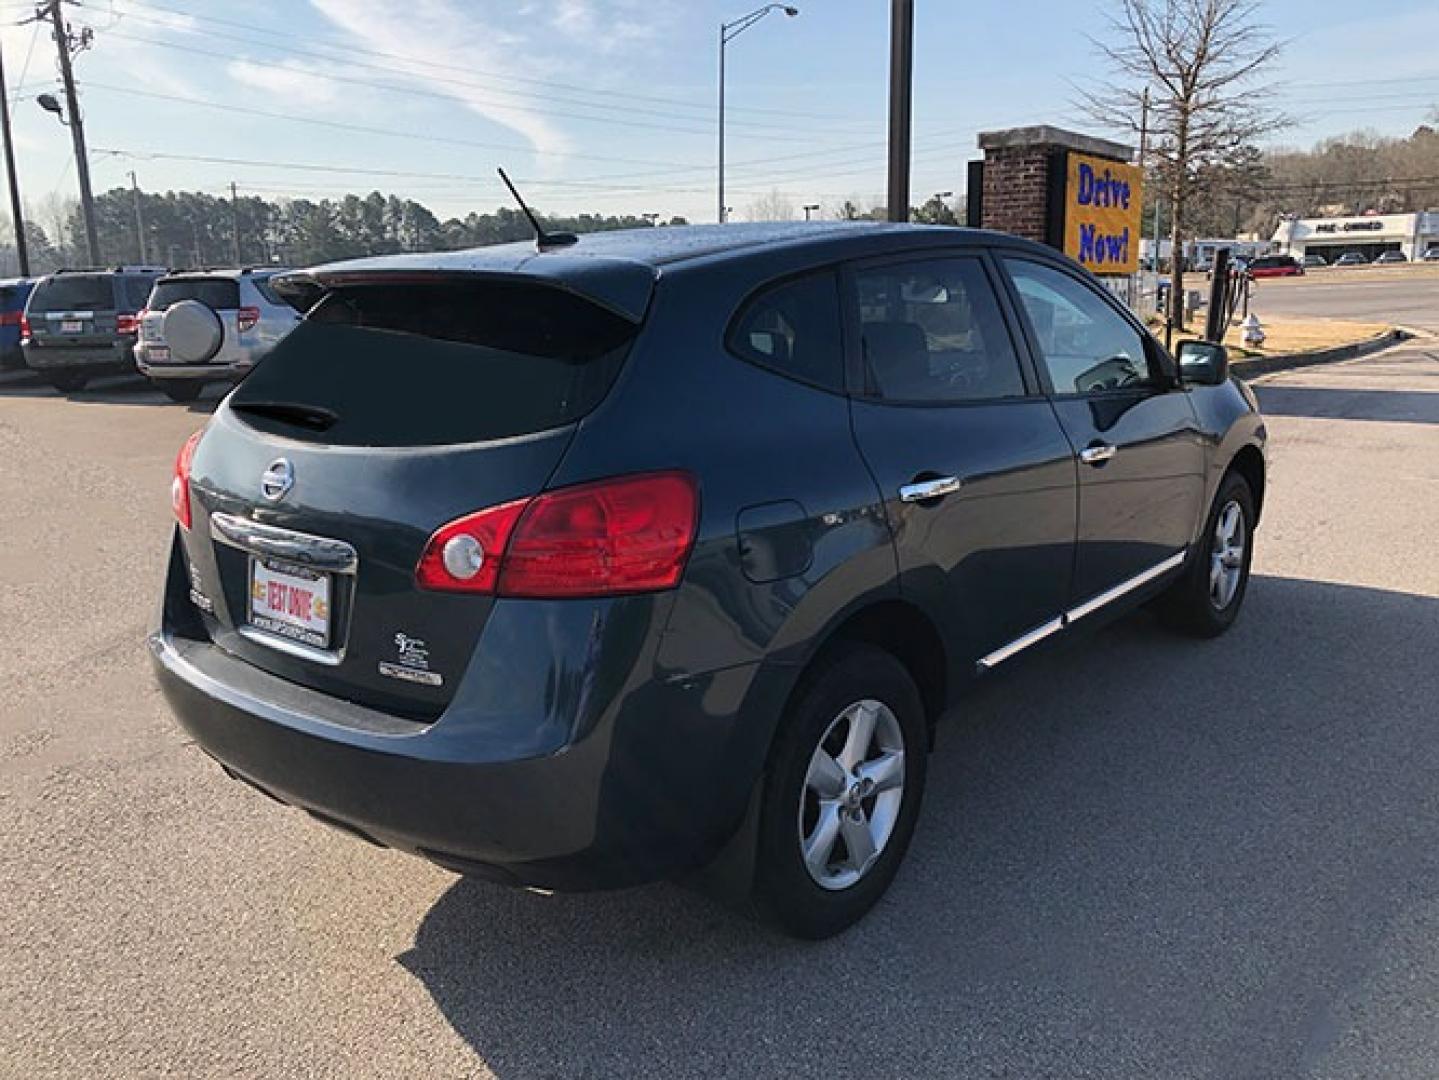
(180, 485)
(127, 324)
(628, 535)
(246, 318)
(24, 326)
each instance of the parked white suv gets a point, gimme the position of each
(209, 325)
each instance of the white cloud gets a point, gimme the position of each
(443, 40)
(292, 84)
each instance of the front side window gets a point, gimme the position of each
(1086, 346)
(794, 329)
(932, 331)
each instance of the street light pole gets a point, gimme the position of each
(808, 208)
(727, 33)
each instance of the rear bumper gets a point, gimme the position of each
(117, 357)
(223, 366)
(648, 787)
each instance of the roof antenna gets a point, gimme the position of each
(544, 241)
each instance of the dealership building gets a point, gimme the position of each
(1368, 234)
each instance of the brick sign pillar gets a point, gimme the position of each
(1073, 192)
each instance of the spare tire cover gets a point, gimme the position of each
(193, 331)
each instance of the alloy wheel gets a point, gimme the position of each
(1226, 555)
(853, 791)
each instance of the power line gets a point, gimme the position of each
(451, 98)
(348, 51)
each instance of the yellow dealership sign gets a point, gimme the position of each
(1103, 203)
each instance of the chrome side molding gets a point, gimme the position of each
(1074, 614)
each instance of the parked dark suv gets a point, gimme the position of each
(82, 323)
(666, 550)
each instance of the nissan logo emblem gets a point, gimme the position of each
(277, 479)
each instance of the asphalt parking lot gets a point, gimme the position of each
(1140, 856)
(1407, 296)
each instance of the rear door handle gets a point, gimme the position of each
(923, 490)
(1096, 455)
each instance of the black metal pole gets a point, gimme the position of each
(901, 92)
(22, 249)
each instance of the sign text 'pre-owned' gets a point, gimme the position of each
(1103, 202)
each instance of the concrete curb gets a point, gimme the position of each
(1266, 365)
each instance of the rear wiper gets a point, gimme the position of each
(314, 417)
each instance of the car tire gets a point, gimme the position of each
(1206, 599)
(823, 808)
(67, 382)
(181, 392)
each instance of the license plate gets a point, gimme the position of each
(72, 326)
(157, 352)
(290, 601)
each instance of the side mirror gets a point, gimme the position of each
(1203, 363)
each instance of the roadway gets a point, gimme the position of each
(1141, 856)
(1404, 296)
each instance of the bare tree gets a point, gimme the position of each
(776, 206)
(1199, 61)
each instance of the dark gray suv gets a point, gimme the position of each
(82, 323)
(665, 551)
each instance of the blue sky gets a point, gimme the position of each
(609, 104)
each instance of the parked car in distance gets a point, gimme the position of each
(13, 294)
(209, 325)
(1351, 258)
(1275, 266)
(1390, 257)
(664, 550)
(1314, 262)
(1431, 255)
(81, 323)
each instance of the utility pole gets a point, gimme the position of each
(77, 126)
(901, 91)
(22, 250)
(139, 217)
(235, 222)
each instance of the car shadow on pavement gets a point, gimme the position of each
(1328, 403)
(1139, 856)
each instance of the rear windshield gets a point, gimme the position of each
(427, 364)
(74, 292)
(221, 294)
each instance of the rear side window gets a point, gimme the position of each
(794, 329)
(221, 294)
(74, 292)
(429, 364)
(932, 331)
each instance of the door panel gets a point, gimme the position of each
(992, 560)
(943, 401)
(1141, 453)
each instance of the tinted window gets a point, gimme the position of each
(414, 365)
(794, 328)
(74, 292)
(1085, 344)
(933, 331)
(136, 290)
(221, 294)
